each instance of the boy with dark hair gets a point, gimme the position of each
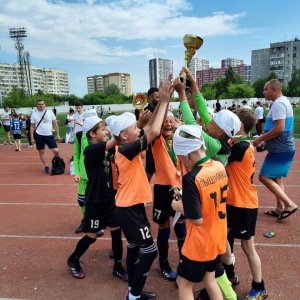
(242, 203)
(99, 201)
(134, 191)
(203, 203)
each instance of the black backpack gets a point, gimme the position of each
(58, 165)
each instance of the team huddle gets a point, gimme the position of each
(202, 189)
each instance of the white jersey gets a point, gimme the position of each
(79, 118)
(45, 127)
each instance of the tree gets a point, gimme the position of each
(293, 88)
(237, 91)
(112, 89)
(259, 84)
(209, 91)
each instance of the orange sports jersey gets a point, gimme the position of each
(165, 171)
(241, 191)
(204, 196)
(134, 187)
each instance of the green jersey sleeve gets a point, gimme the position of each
(202, 108)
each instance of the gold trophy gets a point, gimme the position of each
(191, 43)
(139, 101)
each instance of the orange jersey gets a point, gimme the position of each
(204, 191)
(241, 191)
(134, 187)
(166, 173)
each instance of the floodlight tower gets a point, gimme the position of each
(17, 34)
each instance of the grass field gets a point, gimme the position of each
(63, 129)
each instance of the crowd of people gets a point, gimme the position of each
(203, 167)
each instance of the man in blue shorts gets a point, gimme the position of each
(278, 139)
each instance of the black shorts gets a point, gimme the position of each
(241, 221)
(99, 215)
(194, 271)
(17, 136)
(42, 140)
(162, 209)
(6, 128)
(135, 225)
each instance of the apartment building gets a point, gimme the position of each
(48, 80)
(282, 58)
(197, 64)
(159, 70)
(100, 82)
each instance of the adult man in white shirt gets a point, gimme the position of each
(259, 111)
(78, 118)
(41, 122)
(6, 125)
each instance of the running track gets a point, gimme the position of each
(39, 213)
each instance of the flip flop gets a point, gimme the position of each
(269, 234)
(286, 213)
(271, 213)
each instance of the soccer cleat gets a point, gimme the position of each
(79, 228)
(143, 296)
(111, 254)
(234, 280)
(120, 272)
(100, 232)
(257, 295)
(75, 267)
(167, 272)
(47, 170)
(203, 295)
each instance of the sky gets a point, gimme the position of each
(97, 37)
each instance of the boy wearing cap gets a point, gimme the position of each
(80, 143)
(100, 201)
(220, 127)
(169, 171)
(242, 203)
(134, 191)
(203, 203)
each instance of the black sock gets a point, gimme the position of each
(229, 269)
(163, 244)
(117, 245)
(142, 268)
(258, 285)
(131, 261)
(82, 246)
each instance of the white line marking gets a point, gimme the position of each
(109, 239)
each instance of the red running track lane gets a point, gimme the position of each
(39, 213)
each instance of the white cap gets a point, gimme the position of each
(187, 139)
(228, 121)
(89, 113)
(89, 123)
(116, 124)
(129, 114)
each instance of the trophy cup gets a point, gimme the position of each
(191, 43)
(139, 101)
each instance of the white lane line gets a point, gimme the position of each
(109, 239)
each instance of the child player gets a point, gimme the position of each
(99, 201)
(242, 203)
(219, 129)
(16, 126)
(134, 191)
(168, 174)
(204, 191)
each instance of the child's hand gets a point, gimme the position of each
(77, 178)
(176, 123)
(165, 91)
(177, 205)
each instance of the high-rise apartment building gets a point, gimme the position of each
(231, 62)
(197, 64)
(48, 80)
(282, 58)
(100, 82)
(159, 70)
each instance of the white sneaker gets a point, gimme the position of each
(256, 135)
(30, 146)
